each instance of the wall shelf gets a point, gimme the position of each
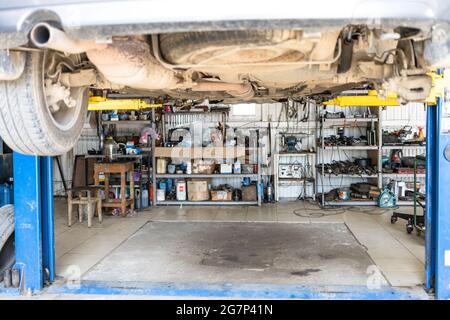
(403, 147)
(351, 147)
(128, 122)
(205, 203)
(196, 176)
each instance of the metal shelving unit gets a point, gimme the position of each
(326, 123)
(147, 152)
(379, 148)
(256, 176)
(401, 176)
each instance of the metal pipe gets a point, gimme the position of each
(43, 35)
(239, 90)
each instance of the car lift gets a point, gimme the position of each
(34, 229)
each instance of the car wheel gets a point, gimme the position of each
(38, 115)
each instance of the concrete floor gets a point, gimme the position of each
(167, 240)
(237, 252)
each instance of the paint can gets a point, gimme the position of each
(181, 190)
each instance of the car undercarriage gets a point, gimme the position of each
(54, 57)
(252, 65)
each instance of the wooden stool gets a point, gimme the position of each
(84, 200)
(116, 168)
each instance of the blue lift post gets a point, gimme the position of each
(438, 199)
(33, 212)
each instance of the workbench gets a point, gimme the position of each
(122, 168)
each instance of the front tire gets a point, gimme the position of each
(27, 124)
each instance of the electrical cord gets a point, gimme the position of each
(319, 211)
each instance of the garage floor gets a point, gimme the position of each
(221, 245)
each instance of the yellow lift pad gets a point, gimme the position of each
(97, 103)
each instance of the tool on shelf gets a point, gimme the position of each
(387, 197)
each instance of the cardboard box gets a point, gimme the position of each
(203, 167)
(249, 193)
(226, 168)
(197, 190)
(221, 195)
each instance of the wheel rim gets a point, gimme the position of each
(63, 109)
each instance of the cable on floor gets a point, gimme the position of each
(320, 211)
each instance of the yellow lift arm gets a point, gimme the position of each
(440, 82)
(97, 103)
(369, 100)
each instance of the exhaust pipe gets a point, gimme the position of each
(238, 90)
(43, 35)
(130, 63)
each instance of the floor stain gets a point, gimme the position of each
(305, 272)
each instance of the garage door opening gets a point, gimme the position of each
(282, 241)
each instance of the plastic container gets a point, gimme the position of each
(137, 198)
(181, 190)
(171, 168)
(161, 165)
(162, 185)
(169, 185)
(144, 198)
(161, 194)
(5, 194)
(189, 167)
(237, 167)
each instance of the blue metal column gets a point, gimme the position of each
(442, 203)
(433, 114)
(438, 201)
(34, 226)
(48, 240)
(28, 220)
